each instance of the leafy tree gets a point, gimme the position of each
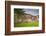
(18, 12)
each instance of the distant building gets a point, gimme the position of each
(27, 18)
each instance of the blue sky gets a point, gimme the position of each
(33, 12)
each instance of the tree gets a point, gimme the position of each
(18, 13)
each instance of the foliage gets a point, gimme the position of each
(18, 11)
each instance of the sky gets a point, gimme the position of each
(33, 12)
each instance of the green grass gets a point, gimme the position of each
(27, 24)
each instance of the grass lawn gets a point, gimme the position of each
(27, 24)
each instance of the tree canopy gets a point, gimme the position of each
(18, 11)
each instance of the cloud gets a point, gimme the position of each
(32, 11)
